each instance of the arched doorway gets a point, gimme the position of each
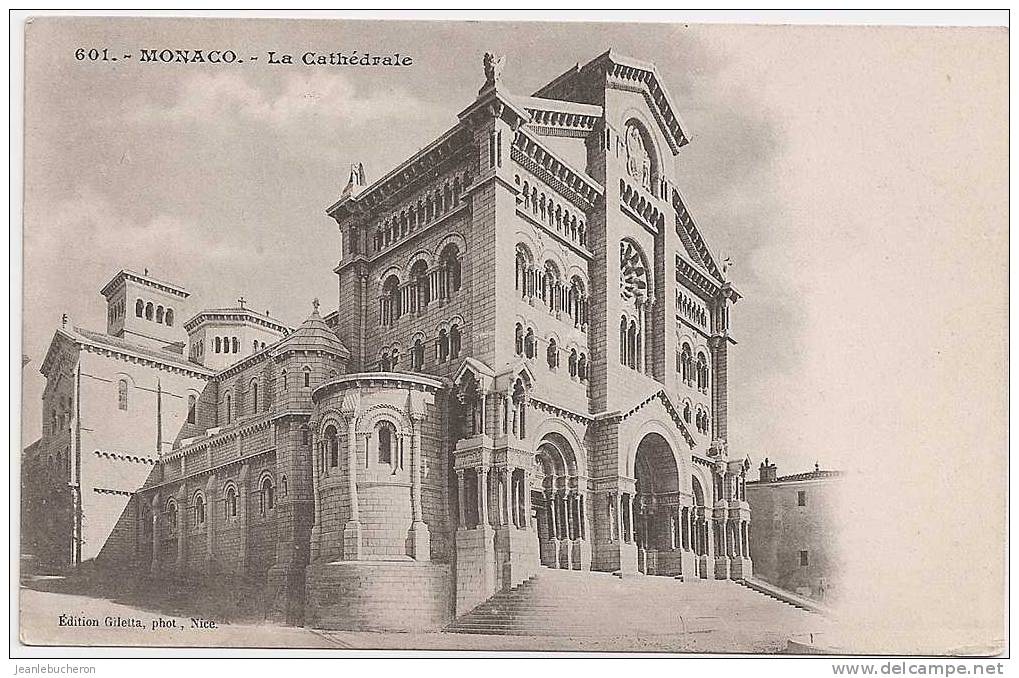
(657, 513)
(558, 504)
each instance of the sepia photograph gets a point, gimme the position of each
(485, 336)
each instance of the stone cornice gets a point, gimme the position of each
(401, 380)
(685, 221)
(560, 411)
(535, 157)
(413, 170)
(666, 401)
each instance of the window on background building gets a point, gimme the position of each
(139, 308)
(582, 367)
(168, 318)
(231, 501)
(217, 345)
(573, 362)
(199, 510)
(307, 376)
(148, 311)
(804, 558)
(171, 517)
(801, 498)
(236, 345)
(192, 402)
(254, 397)
(122, 394)
(159, 314)
(229, 411)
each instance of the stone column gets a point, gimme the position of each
(210, 521)
(317, 468)
(419, 533)
(460, 498)
(352, 530)
(526, 482)
(483, 497)
(154, 565)
(182, 528)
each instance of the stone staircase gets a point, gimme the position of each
(583, 604)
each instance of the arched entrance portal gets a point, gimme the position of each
(657, 511)
(558, 497)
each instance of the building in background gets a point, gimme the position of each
(796, 523)
(114, 402)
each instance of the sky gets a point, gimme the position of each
(855, 176)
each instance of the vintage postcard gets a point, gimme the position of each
(536, 336)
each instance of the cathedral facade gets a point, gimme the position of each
(527, 368)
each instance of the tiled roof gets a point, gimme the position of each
(116, 343)
(810, 475)
(314, 335)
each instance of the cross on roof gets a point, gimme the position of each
(241, 301)
(314, 303)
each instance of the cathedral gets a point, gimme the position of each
(527, 369)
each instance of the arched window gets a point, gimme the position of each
(394, 358)
(254, 396)
(231, 501)
(419, 276)
(452, 269)
(686, 360)
(523, 270)
(284, 490)
(686, 413)
(283, 376)
(236, 345)
(307, 376)
(454, 342)
(417, 354)
(702, 371)
(391, 300)
(386, 439)
(582, 367)
(266, 500)
(254, 346)
(442, 346)
(384, 365)
(573, 362)
(159, 314)
(552, 354)
(192, 402)
(229, 410)
(168, 318)
(139, 308)
(148, 311)
(529, 343)
(217, 346)
(518, 339)
(199, 510)
(122, 394)
(332, 446)
(171, 516)
(622, 340)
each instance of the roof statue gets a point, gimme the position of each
(356, 181)
(493, 69)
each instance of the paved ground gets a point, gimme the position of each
(661, 615)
